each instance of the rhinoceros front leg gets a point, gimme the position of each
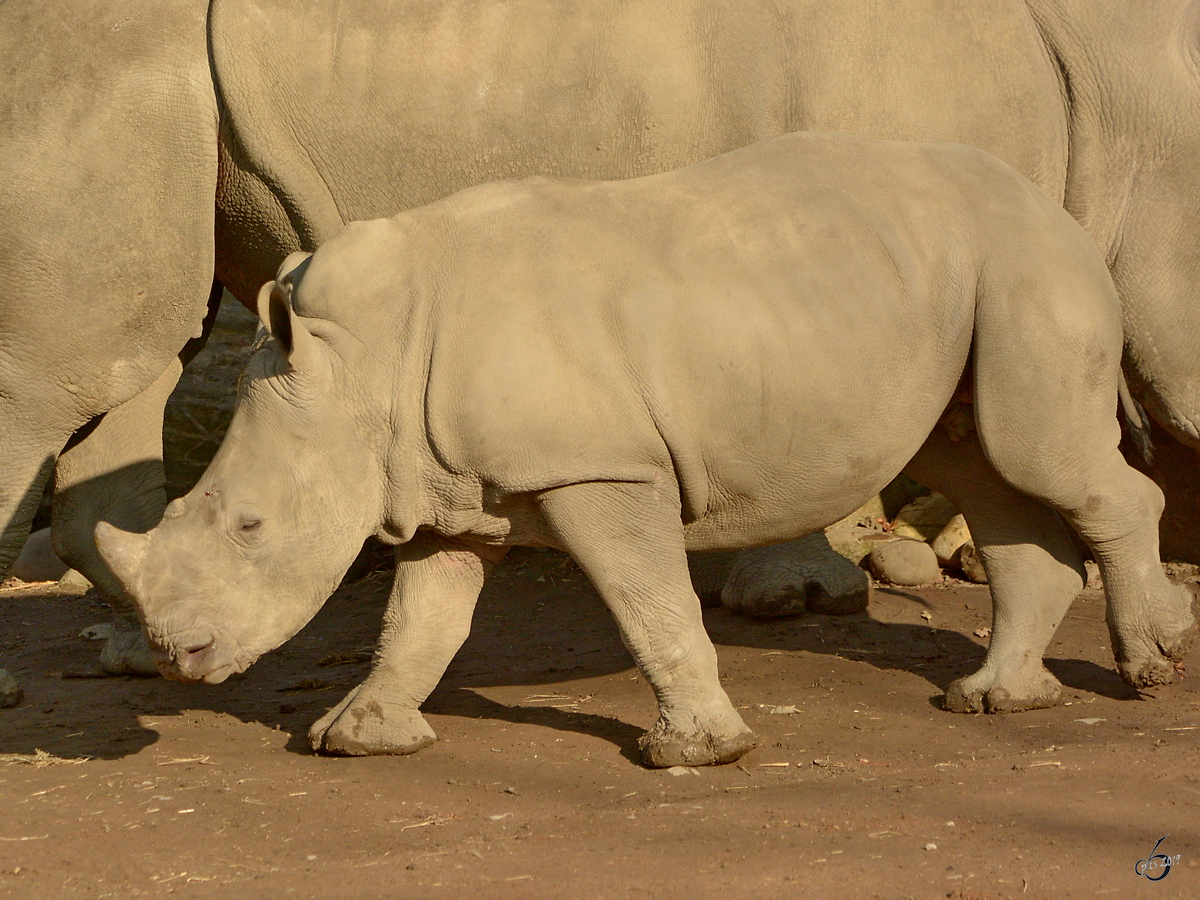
(428, 617)
(1034, 571)
(628, 538)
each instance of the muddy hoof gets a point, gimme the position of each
(975, 695)
(1161, 661)
(360, 726)
(663, 749)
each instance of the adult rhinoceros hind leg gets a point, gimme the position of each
(1064, 320)
(114, 474)
(428, 617)
(1034, 571)
(804, 575)
(628, 538)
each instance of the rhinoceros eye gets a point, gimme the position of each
(248, 527)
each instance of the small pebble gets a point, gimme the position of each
(971, 564)
(10, 691)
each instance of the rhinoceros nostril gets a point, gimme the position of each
(191, 660)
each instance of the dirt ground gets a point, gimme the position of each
(861, 787)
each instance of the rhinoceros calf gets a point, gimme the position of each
(625, 370)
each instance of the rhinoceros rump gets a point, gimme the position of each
(625, 370)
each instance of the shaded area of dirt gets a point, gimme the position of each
(200, 407)
(153, 788)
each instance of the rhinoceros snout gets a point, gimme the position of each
(192, 659)
(194, 662)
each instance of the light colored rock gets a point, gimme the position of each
(1094, 580)
(870, 515)
(950, 540)
(971, 564)
(792, 578)
(74, 579)
(101, 632)
(10, 691)
(924, 518)
(855, 535)
(857, 543)
(37, 561)
(904, 562)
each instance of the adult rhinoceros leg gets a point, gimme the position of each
(428, 617)
(114, 473)
(628, 538)
(1034, 570)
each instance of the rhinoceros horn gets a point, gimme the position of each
(123, 552)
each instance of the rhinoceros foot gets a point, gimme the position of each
(126, 651)
(1155, 658)
(804, 575)
(663, 747)
(363, 724)
(1031, 688)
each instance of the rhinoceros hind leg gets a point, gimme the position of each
(804, 575)
(1034, 572)
(628, 538)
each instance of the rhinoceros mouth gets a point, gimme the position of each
(198, 656)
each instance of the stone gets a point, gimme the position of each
(950, 540)
(100, 632)
(804, 575)
(971, 564)
(856, 544)
(75, 580)
(869, 515)
(904, 562)
(37, 560)
(10, 691)
(855, 535)
(924, 518)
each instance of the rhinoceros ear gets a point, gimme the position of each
(279, 318)
(123, 552)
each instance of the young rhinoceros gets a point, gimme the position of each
(627, 370)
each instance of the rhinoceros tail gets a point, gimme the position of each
(1136, 421)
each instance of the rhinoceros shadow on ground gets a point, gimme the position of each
(539, 624)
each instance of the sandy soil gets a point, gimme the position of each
(862, 787)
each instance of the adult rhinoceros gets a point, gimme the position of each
(145, 144)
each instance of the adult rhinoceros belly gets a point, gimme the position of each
(356, 111)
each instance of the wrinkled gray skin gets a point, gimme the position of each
(625, 370)
(122, 120)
